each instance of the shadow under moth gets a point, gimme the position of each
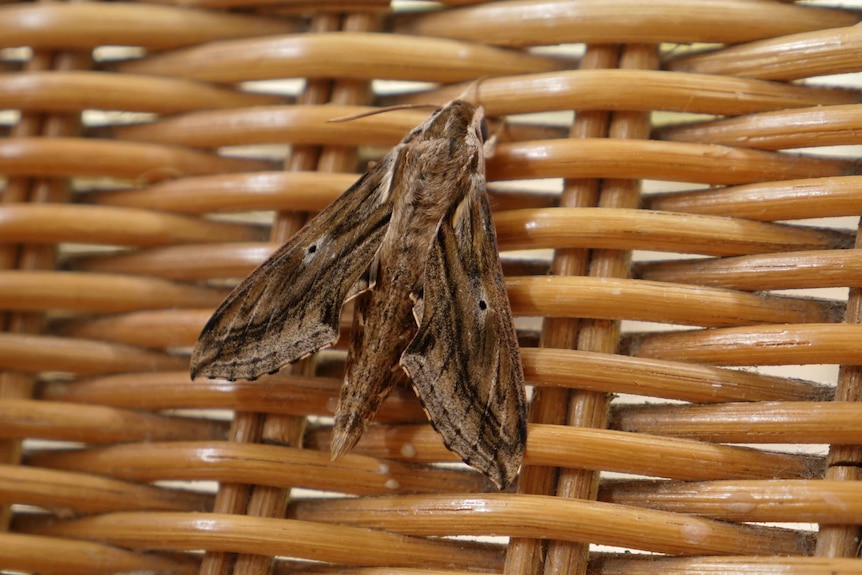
(413, 243)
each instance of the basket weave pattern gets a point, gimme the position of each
(676, 229)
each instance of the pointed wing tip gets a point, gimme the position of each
(200, 364)
(341, 444)
(501, 465)
(195, 369)
(202, 367)
(504, 479)
(503, 470)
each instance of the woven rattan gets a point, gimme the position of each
(682, 256)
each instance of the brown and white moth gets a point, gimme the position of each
(413, 242)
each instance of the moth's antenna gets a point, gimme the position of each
(473, 87)
(380, 111)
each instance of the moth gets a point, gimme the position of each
(413, 243)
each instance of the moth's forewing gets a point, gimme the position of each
(289, 307)
(430, 175)
(464, 361)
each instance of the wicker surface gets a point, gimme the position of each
(687, 198)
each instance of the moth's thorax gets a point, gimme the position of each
(436, 168)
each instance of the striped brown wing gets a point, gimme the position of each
(289, 307)
(464, 361)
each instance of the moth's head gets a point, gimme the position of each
(452, 119)
(477, 123)
(455, 119)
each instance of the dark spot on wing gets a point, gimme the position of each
(482, 305)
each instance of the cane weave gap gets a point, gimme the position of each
(676, 192)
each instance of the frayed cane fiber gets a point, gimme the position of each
(682, 256)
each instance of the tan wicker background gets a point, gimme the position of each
(696, 411)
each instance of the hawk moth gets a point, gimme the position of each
(413, 243)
